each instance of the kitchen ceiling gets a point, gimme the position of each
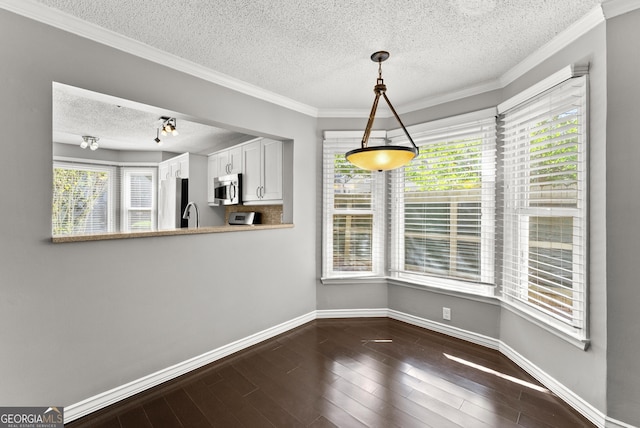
(316, 53)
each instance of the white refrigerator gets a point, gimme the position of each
(173, 195)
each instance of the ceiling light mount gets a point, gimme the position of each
(381, 158)
(89, 141)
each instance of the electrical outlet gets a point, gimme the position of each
(446, 313)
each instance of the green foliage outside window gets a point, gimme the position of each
(77, 197)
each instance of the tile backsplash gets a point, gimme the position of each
(271, 214)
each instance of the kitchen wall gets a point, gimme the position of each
(78, 319)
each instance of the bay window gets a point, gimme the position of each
(494, 204)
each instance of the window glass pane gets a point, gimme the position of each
(352, 186)
(551, 264)
(141, 191)
(352, 242)
(80, 201)
(469, 218)
(427, 255)
(427, 218)
(139, 220)
(468, 258)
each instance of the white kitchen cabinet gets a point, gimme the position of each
(228, 161)
(176, 167)
(262, 172)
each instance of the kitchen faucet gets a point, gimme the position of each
(187, 213)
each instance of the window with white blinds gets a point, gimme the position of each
(353, 224)
(544, 234)
(83, 199)
(139, 205)
(442, 206)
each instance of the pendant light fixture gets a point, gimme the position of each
(381, 158)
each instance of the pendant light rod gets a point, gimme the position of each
(381, 89)
(400, 122)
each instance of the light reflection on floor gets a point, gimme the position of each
(496, 373)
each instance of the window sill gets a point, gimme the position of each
(355, 280)
(172, 232)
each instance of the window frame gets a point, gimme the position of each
(515, 293)
(336, 143)
(111, 189)
(125, 196)
(429, 133)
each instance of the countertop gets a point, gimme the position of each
(184, 231)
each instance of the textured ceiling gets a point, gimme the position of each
(125, 125)
(317, 52)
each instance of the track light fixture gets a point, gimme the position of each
(381, 158)
(157, 139)
(88, 141)
(168, 126)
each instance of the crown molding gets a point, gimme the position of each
(451, 96)
(66, 22)
(350, 113)
(562, 40)
(613, 8)
(385, 113)
(77, 26)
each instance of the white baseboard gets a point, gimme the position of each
(352, 313)
(114, 395)
(612, 423)
(567, 395)
(119, 393)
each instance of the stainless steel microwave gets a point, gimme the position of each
(227, 190)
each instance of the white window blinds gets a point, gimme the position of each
(138, 211)
(353, 225)
(443, 205)
(544, 232)
(83, 199)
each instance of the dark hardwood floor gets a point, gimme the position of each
(373, 372)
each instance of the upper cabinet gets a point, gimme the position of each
(260, 163)
(226, 162)
(262, 172)
(177, 167)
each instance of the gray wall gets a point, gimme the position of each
(584, 372)
(78, 319)
(623, 205)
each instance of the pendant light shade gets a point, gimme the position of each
(381, 158)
